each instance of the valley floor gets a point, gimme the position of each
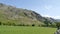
(26, 30)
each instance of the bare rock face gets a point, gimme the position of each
(57, 32)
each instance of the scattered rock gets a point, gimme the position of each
(57, 32)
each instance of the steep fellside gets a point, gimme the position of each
(12, 15)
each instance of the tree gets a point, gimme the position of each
(46, 22)
(33, 24)
(58, 25)
(0, 23)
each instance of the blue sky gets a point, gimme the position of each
(49, 8)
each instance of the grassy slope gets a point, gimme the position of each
(23, 20)
(26, 30)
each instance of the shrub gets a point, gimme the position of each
(39, 25)
(0, 23)
(58, 25)
(33, 24)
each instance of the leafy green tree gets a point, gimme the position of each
(58, 25)
(46, 22)
(33, 24)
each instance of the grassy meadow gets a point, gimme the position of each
(26, 30)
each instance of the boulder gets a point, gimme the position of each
(57, 32)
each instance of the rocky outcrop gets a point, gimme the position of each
(12, 12)
(57, 32)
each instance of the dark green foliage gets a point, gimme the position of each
(46, 22)
(58, 25)
(53, 25)
(33, 24)
(20, 25)
(27, 25)
(25, 14)
(0, 23)
(9, 24)
(3, 24)
(13, 24)
(39, 25)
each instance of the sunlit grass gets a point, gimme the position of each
(26, 30)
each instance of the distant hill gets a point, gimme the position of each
(11, 14)
(57, 20)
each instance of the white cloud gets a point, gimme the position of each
(47, 7)
(46, 15)
(56, 17)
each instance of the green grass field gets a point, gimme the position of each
(26, 30)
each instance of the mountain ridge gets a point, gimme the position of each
(13, 15)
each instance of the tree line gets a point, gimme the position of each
(46, 22)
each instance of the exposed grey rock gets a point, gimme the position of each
(57, 32)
